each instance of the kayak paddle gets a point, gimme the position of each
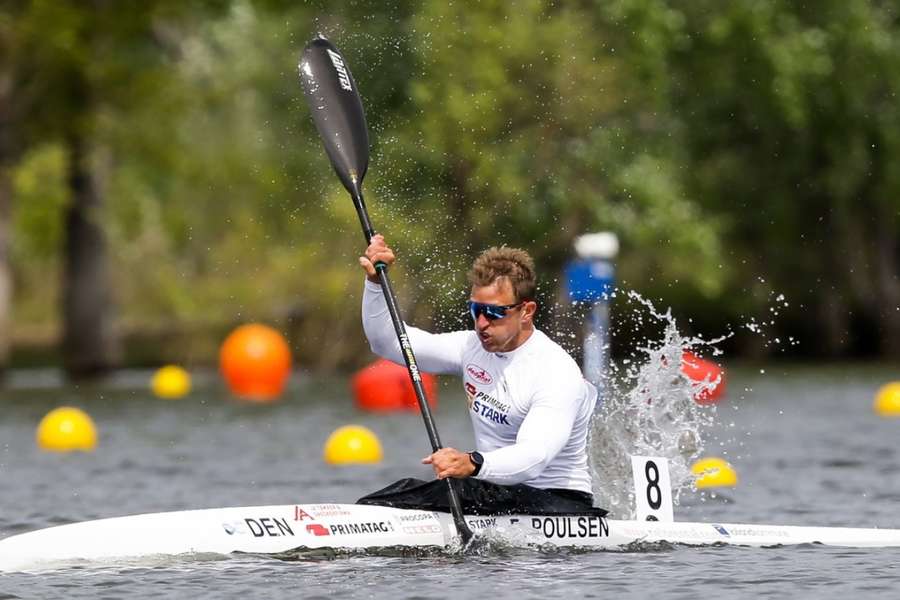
(338, 114)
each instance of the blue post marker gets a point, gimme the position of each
(590, 279)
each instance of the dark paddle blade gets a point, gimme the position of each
(337, 110)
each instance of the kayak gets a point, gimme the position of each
(292, 530)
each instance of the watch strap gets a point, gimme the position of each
(477, 460)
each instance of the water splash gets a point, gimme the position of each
(649, 409)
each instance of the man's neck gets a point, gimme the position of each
(520, 339)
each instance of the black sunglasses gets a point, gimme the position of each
(491, 312)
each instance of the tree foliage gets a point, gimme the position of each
(740, 150)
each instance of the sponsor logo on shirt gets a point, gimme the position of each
(481, 405)
(479, 374)
(470, 394)
(490, 408)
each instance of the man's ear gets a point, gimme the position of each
(530, 309)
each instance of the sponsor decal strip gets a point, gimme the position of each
(482, 523)
(269, 527)
(366, 527)
(571, 527)
(410, 357)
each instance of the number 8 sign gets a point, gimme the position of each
(652, 488)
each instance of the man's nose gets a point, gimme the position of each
(482, 322)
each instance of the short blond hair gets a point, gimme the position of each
(513, 264)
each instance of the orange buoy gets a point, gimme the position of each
(699, 369)
(384, 386)
(255, 361)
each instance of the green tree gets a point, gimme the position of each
(69, 67)
(528, 126)
(790, 122)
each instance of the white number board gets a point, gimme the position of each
(652, 488)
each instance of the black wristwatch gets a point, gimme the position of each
(477, 460)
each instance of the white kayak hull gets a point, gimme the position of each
(283, 529)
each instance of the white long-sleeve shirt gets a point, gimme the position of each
(530, 407)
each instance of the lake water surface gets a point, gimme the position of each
(806, 445)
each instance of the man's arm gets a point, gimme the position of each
(544, 432)
(435, 353)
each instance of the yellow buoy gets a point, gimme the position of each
(887, 400)
(352, 444)
(714, 472)
(66, 428)
(171, 382)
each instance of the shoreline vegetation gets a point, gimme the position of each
(161, 181)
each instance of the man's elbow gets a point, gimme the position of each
(524, 476)
(536, 460)
(535, 470)
(385, 349)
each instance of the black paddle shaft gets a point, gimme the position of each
(412, 367)
(400, 329)
(338, 114)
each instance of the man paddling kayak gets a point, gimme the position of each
(529, 404)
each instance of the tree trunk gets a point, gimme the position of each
(6, 160)
(835, 321)
(887, 258)
(90, 345)
(5, 271)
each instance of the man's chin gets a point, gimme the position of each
(490, 345)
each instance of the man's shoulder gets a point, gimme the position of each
(468, 341)
(553, 373)
(468, 337)
(545, 363)
(547, 348)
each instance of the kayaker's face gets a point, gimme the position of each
(509, 331)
